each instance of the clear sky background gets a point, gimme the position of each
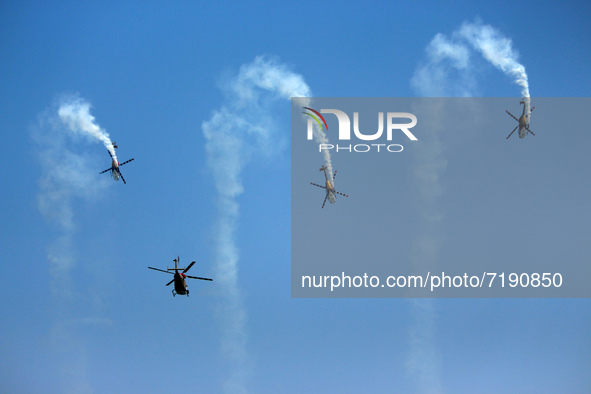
(155, 75)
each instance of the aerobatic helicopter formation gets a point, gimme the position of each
(179, 274)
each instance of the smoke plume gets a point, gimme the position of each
(320, 137)
(240, 128)
(75, 114)
(66, 179)
(448, 71)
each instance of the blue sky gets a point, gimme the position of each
(153, 74)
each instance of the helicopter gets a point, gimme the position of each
(330, 191)
(180, 286)
(523, 119)
(115, 171)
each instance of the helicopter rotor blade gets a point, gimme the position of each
(512, 132)
(170, 282)
(197, 277)
(189, 267)
(317, 185)
(125, 162)
(157, 269)
(510, 114)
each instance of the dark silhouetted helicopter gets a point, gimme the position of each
(180, 286)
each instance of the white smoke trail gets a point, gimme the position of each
(237, 130)
(497, 49)
(448, 71)
(66, 177)
(318, 132)
(75, 113)
(423, 360)
(321, 138)
(451, 58)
